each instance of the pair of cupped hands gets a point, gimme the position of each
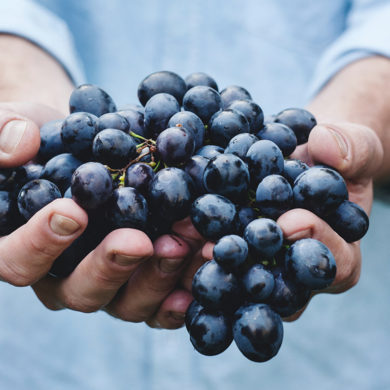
(136, 280)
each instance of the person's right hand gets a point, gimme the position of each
(126, 274)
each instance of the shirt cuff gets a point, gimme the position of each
(367, 34)
(35, 23)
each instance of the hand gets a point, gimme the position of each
(126, 274)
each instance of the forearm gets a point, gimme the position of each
(360, 93)
(28, 73)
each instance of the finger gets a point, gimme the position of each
(99, 276)
(28, 253)
(19, 131)
(298, 223)
(152, 282)
(207, 250)
(171, 313)
(353, 150)
(186, 230)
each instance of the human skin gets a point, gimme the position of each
(354, 138)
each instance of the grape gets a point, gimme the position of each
(300, 121)
(258, 283)
(175, 145)
(214, 216)
(274, 196)
(209, 151)
(59, 170)
(203, 101)
(90, 98)
(281, 135)
(8, 213)
(113, 120)
(192, 311)
(264, 237)
(232, 93)
(91, 185)
(135, 120)
(161, 82)
(230, 251)
(311, 263)
(35, 195)
(293, 168)
(226, 124)
(210, 332)
(216, 289)
(240, 144)
(252, 111)
(114, 148)
(195, 167)
(158, 110)
(227, 175)
(200, 78)
(257, 331)
(139, 176)
(51, 141)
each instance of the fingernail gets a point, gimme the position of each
(11, 134)
(63, 226)
(170, 265)
(307, 233)
(125, 260)
(177, 315)
(340, 140)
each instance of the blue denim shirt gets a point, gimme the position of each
(283, 52)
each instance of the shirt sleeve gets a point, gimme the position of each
(367, 33)
(29, 20)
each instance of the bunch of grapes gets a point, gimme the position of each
(190, 150)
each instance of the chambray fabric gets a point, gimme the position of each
(283, 52)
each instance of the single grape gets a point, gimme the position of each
(195, 167)
(113, 120)
(139, 176)
(232, 93)
(200, 78)
(293, 168)
(281, 135)
(258, 283)
(252, 111)
(230, 251)
(240, 144)
(135, 118)
(51, 141)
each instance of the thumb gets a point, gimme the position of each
(19, 131)
(353, 150)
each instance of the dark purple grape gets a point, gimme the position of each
(227, 175)
(274, 196)
(300, 121)
(139, 176)
(216, 289)
(293, 168)
(349, 221)
(112, 120)
(161, 82)
(6, 179)
(240, 144)
(264, 158)
(288, 296)
(214, 216)
(311, 263)
(127, 208)
(195, 167)
(226, 124)
(200, 78)
(133, 107)
(209, 151)
(281, 135)
(24, 174)
(92, 99)
(192, 311)
(230, 251)
(210, 332)
(175, 145)
(171, 193)
(264, 237)
(232, 93)
(252, 111)
(320, 190)
(114, 148)
(59, 170)
(189, 121)
(158, 110)
(91, 185)
(135, 119)
(51, 141)
(257, 331)
(35, 195)
(258, 283)
(245, 214)
(203, 101)
(8, 213)
(77, 133)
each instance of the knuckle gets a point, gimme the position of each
(82, 305)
